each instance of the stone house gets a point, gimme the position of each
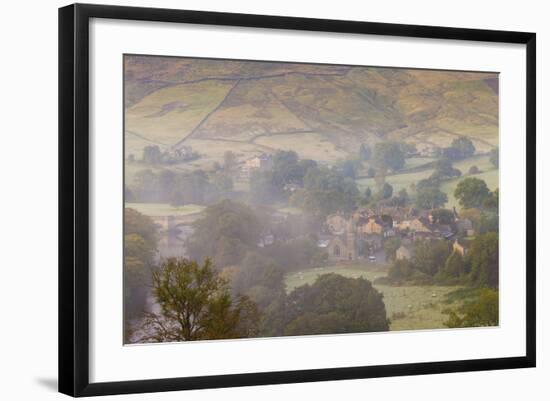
(373, 225)
(257, 163)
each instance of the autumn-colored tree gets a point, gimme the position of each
(481, 313)
(196, 304)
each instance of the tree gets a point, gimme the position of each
(390, 247)
(387, 191)
(140, 245)
(488, 222)
(229, 161)
(371, 172)
(364, 152)
(348, 169)
(194, 186)
(389, 155)
(326, 191)
(257, 269)
(168, 186)
(137, 223)
(295, 254)
(484, 260)
(401, 269)
(492, 202)
(146, 187)
(451, 153)
(137, 258)
(223, 183)
(283, 158)
(473, 170)
(462, 148)
(368, 195)
(471, 192)
(452, 269)
(263, 188)
(333, 304)
(288, 169)
(152, 154)
(196, 304)
(408, 149)
(493, 157)
(401, 199)
(480, 313)
(259, 278)
(225, 232)
(269, 186)
(166, 180)
(443, 216)
(430, 197)
(422, 259)
(430, 257)
(443, 169)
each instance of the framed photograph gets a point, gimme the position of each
(250, 199)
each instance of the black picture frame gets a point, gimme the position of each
(74, 198)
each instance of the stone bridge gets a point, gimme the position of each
(169, 223)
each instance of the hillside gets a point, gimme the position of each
(322, 112)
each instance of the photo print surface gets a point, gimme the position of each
(267, 199)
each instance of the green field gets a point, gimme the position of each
(404, 180)
(490, 178)
(163, 209)
(481, 161)
(488, 173)
(408, 307)
(415, 162)
(308, 146)
(169, 114)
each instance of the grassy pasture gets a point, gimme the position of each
(162, 209)
(130, 170)
(403, 180)
(169, 114)
(250, 109)
(212, 151)
(134, 144)
(308, 145)
(347, 105)
(408, 307)
(397, 181)
(415, 162)
(481, 161)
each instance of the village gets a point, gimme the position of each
(361, 235)
(278, 194)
